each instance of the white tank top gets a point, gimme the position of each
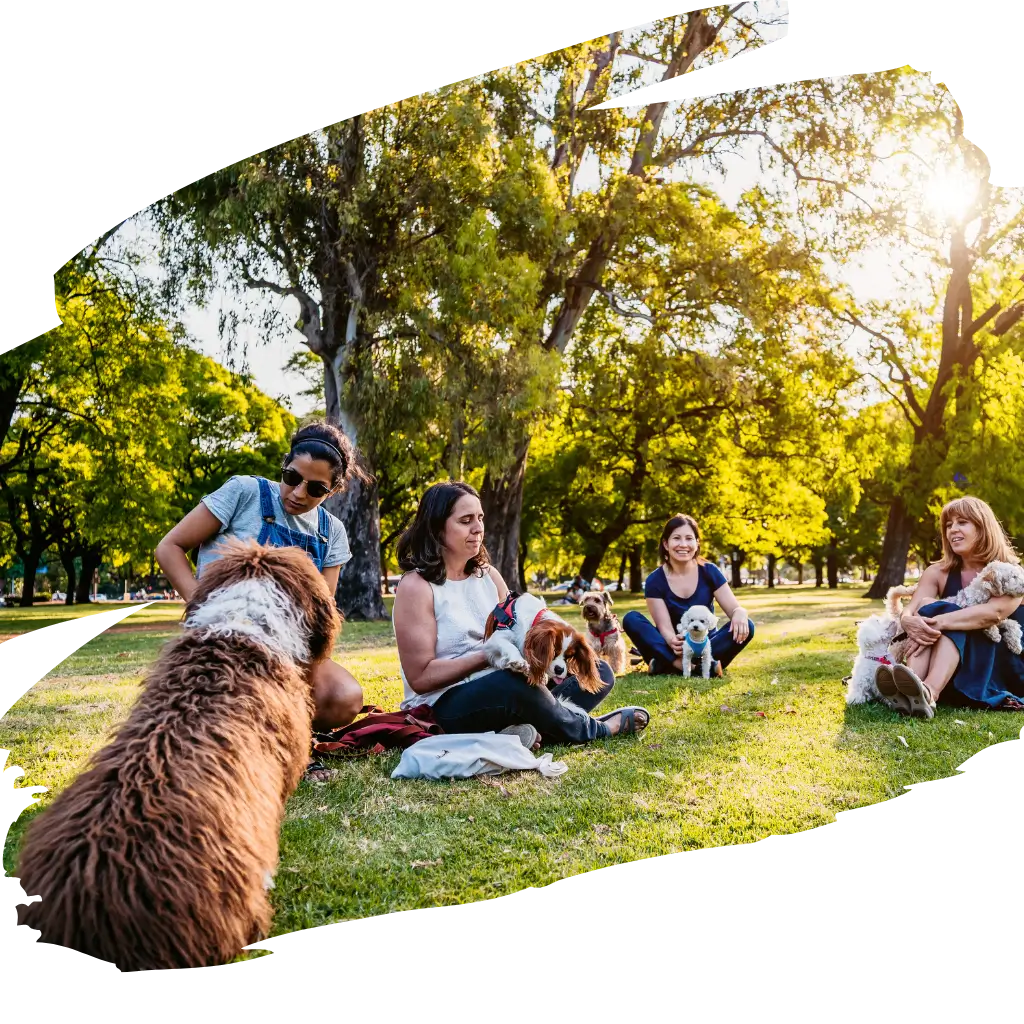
(461, 608)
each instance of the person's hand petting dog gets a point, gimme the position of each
(675, 641)
(922, 632)
(739, 625)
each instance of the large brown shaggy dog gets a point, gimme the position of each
(160, 853)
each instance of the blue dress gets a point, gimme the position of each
(988, 672)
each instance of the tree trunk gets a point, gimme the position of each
(832, 563)
(636, 583)
(30, 563)
(502, 499)
(892, 563)
(771, 572)
(91, 558)
(819, 570)
(68, 561)
(736, 559)
(358, 595)
(622, 569)
(799, 572)
(591, 563)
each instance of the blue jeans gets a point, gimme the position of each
(502, 698)
(651, 644)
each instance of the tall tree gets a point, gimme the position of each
(607, 164)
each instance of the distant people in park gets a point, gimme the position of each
(682, 580)
(288, 513)
(441, 607)
(948, 644)
(577, 588)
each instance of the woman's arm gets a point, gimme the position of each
(330, 574)
(921, 632)
(498, 582)
(978, 616)
(199, 526)
(738, 618)
(416, 633)
(659, 613)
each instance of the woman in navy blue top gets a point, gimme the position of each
(685, 579)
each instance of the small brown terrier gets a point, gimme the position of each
(160, 853)
(603, 632)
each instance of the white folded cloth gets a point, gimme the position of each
(463, 755)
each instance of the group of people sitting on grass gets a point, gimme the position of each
(448, 590)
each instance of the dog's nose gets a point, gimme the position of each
(559, 671)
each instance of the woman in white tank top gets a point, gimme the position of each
(441, 608)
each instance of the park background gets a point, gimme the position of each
(793, 311)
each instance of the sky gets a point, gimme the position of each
(872, 278)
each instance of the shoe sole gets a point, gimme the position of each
(914, 690)
(885, 683)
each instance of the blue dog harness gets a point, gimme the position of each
(278, 536)
(696, 648)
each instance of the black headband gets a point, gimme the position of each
(319, 440)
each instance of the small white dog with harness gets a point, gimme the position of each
(695, 628)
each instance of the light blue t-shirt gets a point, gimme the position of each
(237, 506)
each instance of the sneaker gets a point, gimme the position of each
(528, 735)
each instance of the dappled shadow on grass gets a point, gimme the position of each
(771, 749)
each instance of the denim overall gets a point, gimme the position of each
(281, 537)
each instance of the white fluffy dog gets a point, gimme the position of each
(694, 627)
(997, 579)
(875, 647)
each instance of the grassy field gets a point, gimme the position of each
(769, 749)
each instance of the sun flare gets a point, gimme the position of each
(950, 195)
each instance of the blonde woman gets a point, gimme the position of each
(948, 644)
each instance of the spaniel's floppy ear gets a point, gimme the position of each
(539, 652)
(582, 663)
(489, 627)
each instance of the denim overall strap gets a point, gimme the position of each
(266, 510)
(324, 525)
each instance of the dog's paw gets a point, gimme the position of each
(518, 665)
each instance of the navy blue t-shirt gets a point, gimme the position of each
(709, 579)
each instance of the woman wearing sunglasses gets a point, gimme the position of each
(285, 514)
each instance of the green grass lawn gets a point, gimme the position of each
(770, 749)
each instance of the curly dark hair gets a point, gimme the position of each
(420, 548)
(328, 443)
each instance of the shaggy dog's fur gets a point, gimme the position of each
(997, 579)
(694, 627)
(603, 631)
(541, 646)
(875, 646)
(159, 855)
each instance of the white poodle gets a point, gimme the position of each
(694, 627)
(875, 647)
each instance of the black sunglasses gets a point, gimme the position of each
(314, 488)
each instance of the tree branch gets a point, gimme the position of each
(610, 296)
(905, 380)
